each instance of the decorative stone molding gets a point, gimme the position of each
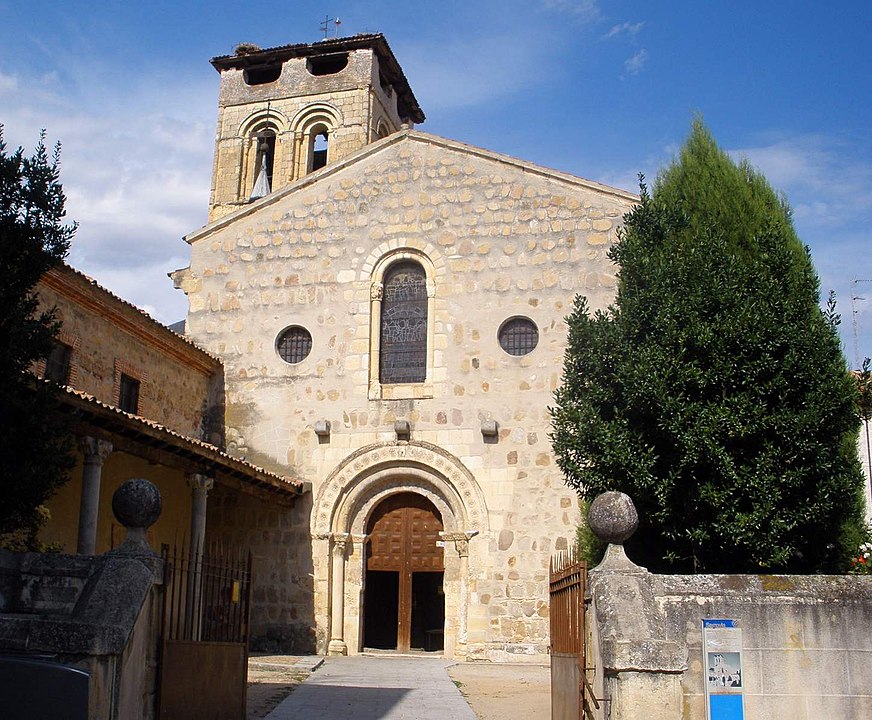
(460, 540)
(385, 468)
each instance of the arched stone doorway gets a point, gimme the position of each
(344, 505)
(404, 601)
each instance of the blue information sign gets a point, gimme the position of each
(722, 669)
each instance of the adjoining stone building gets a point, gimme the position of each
(142, 401)
(389, 308)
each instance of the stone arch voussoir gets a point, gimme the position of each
(373, 473)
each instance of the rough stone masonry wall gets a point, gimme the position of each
(105, 340)
(359, 101)
(806, 653)
(277, 535)
(505, 240)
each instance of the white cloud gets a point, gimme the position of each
(135, 166)
(587, 11)
(626, 28)
(823, 183)
(8, 83)
(633, 64)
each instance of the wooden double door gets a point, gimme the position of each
(404, 603)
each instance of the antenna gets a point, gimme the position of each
(329, 24)
(854, 322)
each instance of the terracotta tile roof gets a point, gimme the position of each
(192, 448)
(125, 303)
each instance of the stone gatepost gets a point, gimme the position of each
(638, 668)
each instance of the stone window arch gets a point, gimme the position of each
(314, 129)
(262, 155)
(401, 326)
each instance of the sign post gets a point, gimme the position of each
(722, 666)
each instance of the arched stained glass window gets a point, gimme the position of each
(403, 341)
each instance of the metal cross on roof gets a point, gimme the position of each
(326, 26)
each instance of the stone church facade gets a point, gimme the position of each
(389, 309)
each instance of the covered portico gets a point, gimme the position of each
(113, 446)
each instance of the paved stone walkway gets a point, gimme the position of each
(376, 688)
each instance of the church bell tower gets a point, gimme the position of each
(287, 111)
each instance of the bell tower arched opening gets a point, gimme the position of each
(404, 601)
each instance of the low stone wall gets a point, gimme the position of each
(806, 646)
(97, 614)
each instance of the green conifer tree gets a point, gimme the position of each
(714, 391)
(34, 446)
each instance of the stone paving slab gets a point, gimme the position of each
(376, 688)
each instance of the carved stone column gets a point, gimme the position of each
(355, 582)
(95, 452)
(376, 291)
(461, 544)
(337, 646)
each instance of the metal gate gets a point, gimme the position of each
(571, 694)
(204, 642)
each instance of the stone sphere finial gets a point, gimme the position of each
(612, 517)
(137, 504)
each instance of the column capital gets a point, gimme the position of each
(94, 449)
(359, 539)
(199, 483)
(460, 540)
(341, 542)
(376, 290)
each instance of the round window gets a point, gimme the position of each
(294, 344)
(518, 336)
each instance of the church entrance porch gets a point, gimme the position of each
(404, 601)
(391, 549)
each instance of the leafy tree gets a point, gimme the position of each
(714, 391)
(34, 447)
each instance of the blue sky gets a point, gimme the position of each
(603, 90)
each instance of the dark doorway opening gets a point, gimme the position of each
(382, 603)
(404, 603)
(428, 611)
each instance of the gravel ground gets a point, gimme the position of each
(505, 692)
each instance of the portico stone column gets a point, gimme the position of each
(337, 645)
(200, 486)
(95, 452)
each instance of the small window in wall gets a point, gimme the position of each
(262, 74)
(128, 397)
(294, 344)
(57, 364)
(403, 337)
(319, 150)
(327, 64)
(518, 336)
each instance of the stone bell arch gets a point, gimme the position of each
(342, 509)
